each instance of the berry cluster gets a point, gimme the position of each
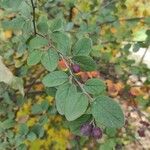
(89, 130)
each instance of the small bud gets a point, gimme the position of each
(75, 68)
(86, 129)
(97, 133)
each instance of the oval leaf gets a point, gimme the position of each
(63, 93)
(37, 42)
(82, 46)
(75, 106)
(55, 78)
(107, 112)
(50, 60)
(56, 25)
(85, 62)
(62, 42)
(34, 57)
(94, 86)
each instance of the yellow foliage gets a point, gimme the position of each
(84, 5)
(31, 121)
(55, 139)
(8, 34)
(138, 8)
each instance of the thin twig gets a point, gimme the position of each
(76, 80)
(121, 19)
(143, 56)
(33, 15)
(109, 3)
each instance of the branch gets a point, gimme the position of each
(76, 80)
(33, 15)
(121, 19)
(143, 56)
(66, 59)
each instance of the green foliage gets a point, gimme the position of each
(50, 60)
(53, 36)
(55, 78)
(37, 42)
(34, 57)
(111, 116)
(109, 144)
(62, 42)
(84, 61)
(75, 106)
(82, 47)
(56, 25)
(63, 93)
(94, 86)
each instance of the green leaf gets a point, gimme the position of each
(31, 136)
(23, 129)
(63, 93)
(14, 5)
(38, 130)
(85, 62)
(34, 57)
(22, 147)
(55, 78)
(75, 106)
(76, 124)
(82, 47)
(62, 42)
(14, 24)
(136, 47)
(108, 145)
(37, 42)
(51, 91)
(94, 86)
(56, 24)
(111, 132)
(9, 123)
(107, 112)
(44, 105)
(50, 60)
(36, 108)
(42, 25)
(17, 84)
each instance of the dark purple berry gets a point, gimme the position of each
(86, 129)
(141, 132)
(96, 133)
(75, 68)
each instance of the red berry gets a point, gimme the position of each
(75, 68)
(86, 129)
(96, 133)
